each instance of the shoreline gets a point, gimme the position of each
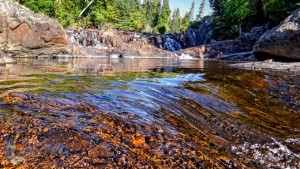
(269, 65)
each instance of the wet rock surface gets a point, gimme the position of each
(282, 41)
(25, 33)
(4, 58)
(187, 118)
(115, 44)
(201, 34)
(270, 65)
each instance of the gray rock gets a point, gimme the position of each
(282, 41)
(6, 59)
(270, 65)
(200, 35)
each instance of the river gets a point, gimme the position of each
(146, 113)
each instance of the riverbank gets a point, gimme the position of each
(270, 65)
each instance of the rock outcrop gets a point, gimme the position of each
(194, 36)
(200, 35)
(113, 43)
(25, 33)
(237, 49)
(282, 41)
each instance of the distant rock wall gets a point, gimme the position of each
(25, 33)
(237, 49)
(200, 35)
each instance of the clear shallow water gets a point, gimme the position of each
(147, 112)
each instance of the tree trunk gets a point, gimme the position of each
(88, 5)
(240, 28)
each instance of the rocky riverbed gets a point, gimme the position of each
(178, 114)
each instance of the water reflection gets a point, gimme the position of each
(147, 113)
(98, 66)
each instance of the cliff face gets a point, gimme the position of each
(23, 32)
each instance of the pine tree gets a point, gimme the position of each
(201, 11)
(163, 19)
(185, 22)
(176, 21)
(191, 12)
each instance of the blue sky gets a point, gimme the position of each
(185, 5)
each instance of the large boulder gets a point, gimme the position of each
(282, 41)
(25, 33)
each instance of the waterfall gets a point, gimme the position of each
(86, 38)
(171, 44)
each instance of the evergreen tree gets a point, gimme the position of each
(163, 19)
(44, 6)
(191, 12)
(176, 21)
(185, 22)
(237, 11)
(151, 11)
(127, 14)
(199, 16)
(277, 10)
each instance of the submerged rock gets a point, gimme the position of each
(282, 41)
(4, 58)
(25, 33)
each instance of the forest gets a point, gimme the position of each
(231, 17)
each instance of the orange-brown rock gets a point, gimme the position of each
(25, 33)
(24, 36)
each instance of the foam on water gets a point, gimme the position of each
(273, 154)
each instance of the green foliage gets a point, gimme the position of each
(151, 16)
(233, 16)
(43, 6)
(67, 12)
(176, 21)
(277, 10)
(163, 18)
(185, 22)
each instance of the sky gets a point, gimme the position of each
(185, 5)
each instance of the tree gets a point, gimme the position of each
(176, 21)
(199, 16)
(164, 17)
(44, 6)
(127, 14)
(237, 11)
(151, 11)
(185, 22)
(191, 12)
(277, 10)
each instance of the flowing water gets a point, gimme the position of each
(146, 113)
